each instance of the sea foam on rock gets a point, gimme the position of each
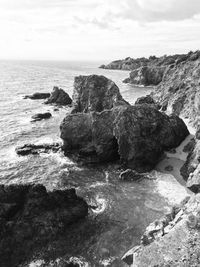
(110, 128)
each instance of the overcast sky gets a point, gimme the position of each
(97, 29)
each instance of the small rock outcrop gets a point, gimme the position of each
(41, 116)
(30, 216)
(95, 93)
(31, 149)
(36, 96)
(147, 76)
(147, 100)
(59, 97)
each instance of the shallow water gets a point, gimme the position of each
(123, 209)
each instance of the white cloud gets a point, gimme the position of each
(97, 29)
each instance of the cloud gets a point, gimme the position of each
(160, 10)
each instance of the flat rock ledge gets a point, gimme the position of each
(31, 149)
(30, 217)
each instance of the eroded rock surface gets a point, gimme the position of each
(59, 97)
(137, 134)
(172, 241)
(30, 216)
(95, 93)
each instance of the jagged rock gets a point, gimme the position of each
(30, 216)
(41, 116)
(131, 175)
(137, 134)
(91, 135)
(147, 75)
(95, 93)
(59, 97)
(37, 96)
(178, 241)
(30, 149)
(147, 100)
(143, 133)
(179, 89)
(191, 168)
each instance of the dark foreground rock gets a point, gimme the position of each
(95, 93)
(172, 241)
(36, 96)
(41, 116)
(30, 149)
(30, 216)
(137, 135)
(59, 97)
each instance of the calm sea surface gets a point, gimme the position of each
(125, 209)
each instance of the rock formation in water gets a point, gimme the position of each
(30, 217)
(36, 96)
(146, 75)
(31, 149)
(95, 93)
(147, 100)
(137, 135)
(59, 97)
(41, 116)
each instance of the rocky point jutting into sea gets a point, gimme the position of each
(174, 239)
(122, 171)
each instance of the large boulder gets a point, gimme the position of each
(95, 93)
(137, 134)
(59, 97)
(30, 216)
(143, 133)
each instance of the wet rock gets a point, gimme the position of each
(189, 146)
(36, 96)
(30, 216)
(59, 97)
(41, 116)
(95, 93)
(131, 175)
(31, 149)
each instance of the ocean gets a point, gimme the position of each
(124, 209)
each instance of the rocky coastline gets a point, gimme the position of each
(104, 127)
(173, 240)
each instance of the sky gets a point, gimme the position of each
(102, 30)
